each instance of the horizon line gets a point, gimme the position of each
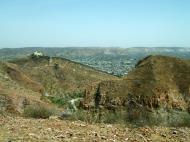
(93, 47)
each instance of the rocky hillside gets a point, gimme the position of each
(17, 90)
(157, 83)
(156, 91)
(59, 75)
(28, 80)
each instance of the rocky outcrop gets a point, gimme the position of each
(108, 94)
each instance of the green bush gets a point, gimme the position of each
(60, 101)
(63, 101)
(179, 119)
(38, 111)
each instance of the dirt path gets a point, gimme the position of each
(53, 130)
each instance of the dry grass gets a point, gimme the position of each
(38, 111)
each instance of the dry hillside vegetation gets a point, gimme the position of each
(15, 93)
(26, 81)
(59, 75)
(158, 85)
(155, 92)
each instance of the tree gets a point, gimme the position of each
(56, 66)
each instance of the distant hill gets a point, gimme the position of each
(158, 86)
(117, 61)
(76, 52)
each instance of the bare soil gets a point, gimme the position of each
(18, 129)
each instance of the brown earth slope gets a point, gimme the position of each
(59, 75)
(17, 90)
(26, 80)
(157, 82)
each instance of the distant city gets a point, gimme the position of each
(117, 67)
(115, 61)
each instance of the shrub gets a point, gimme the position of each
(56, 66)
(60, 101)
(98, 116)
(63, 100)
(159, 117)
(110, 117)
(38, 111)
(179, 119)
(86, 116)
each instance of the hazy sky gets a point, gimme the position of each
(123, 23)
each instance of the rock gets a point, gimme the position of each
(33, 135)
(126, 139)
(65, 114)
(103, 137)
(49, 129)
(82, 125)
(61, 136)
(163, 135)
(109, 126)
(54, 117)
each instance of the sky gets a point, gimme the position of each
(91, 23)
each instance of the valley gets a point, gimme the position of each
(105, 94)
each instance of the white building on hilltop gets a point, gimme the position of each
(38, 54)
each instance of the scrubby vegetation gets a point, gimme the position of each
(159, 117)
(158, 99)
(99, 116)
(63, 99)
(38, 111)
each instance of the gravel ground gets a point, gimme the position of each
(18, 129)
